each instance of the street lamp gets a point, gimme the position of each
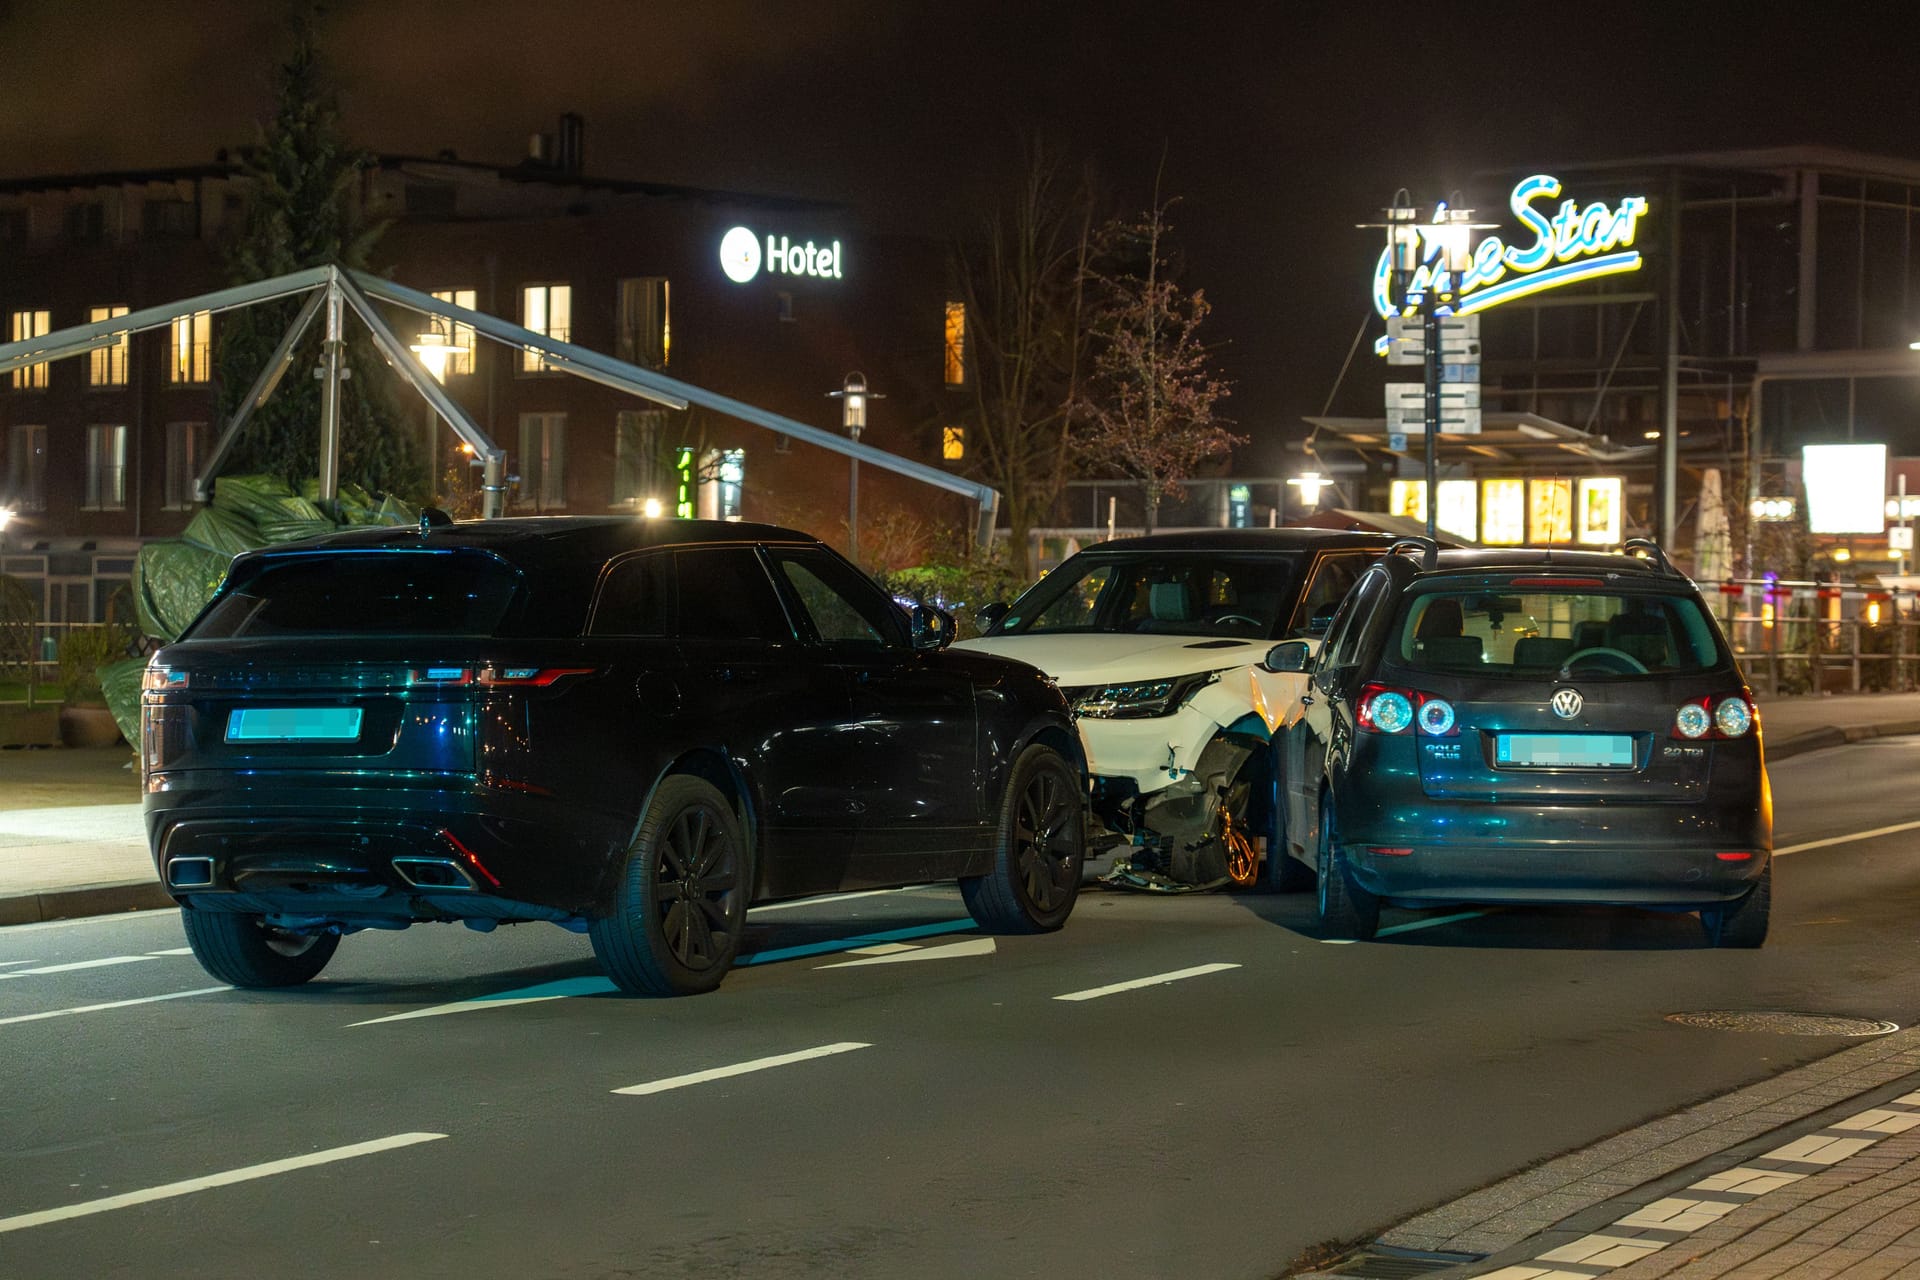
(434, 349)
(853, 396)
(1310, 484)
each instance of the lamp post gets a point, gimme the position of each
(853, 396)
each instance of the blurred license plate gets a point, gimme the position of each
(1571, 750)
(294, 724)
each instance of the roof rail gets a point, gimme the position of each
(1654, 553)
(1429, 551)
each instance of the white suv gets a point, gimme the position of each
(1157, 642)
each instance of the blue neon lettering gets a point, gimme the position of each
(1535, 255)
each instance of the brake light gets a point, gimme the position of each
(535, 677)
(471, 858)
(1734, 857)
(1385, 709)
(1715, 716)
(1386, 852)
(1592, 584)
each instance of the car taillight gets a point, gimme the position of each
(535, 677)
(1716, 715)
(440, 675)
(1385, 709)
(158, 679)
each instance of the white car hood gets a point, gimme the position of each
(1091, 659)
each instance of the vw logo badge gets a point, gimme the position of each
(1566, 703)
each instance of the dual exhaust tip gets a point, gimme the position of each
(421, 873)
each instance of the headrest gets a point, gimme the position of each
(1442, 618)
(1170, 602)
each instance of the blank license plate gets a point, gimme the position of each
(1567, 750)
(294, 724)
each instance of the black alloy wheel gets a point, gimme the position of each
(1040, 850)
(1346, 910)
(682, 903)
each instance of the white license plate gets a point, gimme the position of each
(294, 724)
(1565, 750)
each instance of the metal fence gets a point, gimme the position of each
(1821, 637)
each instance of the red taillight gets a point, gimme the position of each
(1591, 584)
(1390, 853)
(1385, 709)
(468, 856)
(1715, 716)
(1734, 857)
(532, 677)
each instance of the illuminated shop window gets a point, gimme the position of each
(107, 366)
(106, 469)
(1549, 511)
(547, 309)
(189, 348)
(956, 344)
(1601, 498)
(30, 324)
(462, 334)
(1408, 499)
(645, 333)
(1503, 507)
(1459, 513)
(953, 443)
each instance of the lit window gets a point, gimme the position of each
(1408, 500)
(186, 454)
(27, 468)
(543, 460)
(1550, 512)
(956, 344)
(107, 366)
(189, 348)
(1459, 509)
(106, 469)
(1600, 502)
(1503, 505)
(953, 443)
(646, 330)
(462, 334)
(547, 309)
(30, 324)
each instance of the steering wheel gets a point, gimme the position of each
(1622, 662)
(1225, 618)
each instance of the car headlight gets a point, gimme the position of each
(1139, 698)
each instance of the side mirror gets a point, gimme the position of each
(931, 628)
(990, 615)
(1322, 619)
(1288, 655)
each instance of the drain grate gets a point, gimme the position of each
(1399, 1266)
(1783, 1024)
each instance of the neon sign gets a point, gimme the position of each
(1573, 244)
(741, 257)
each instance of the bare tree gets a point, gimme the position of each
(1146, 411)
(1023, 284)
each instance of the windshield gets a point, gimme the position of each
(1549, 632)
(1181, 594)
(366, 593)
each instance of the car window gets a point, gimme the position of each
(1504, 631)
(1342, 646)
(846, 609)
(1182, 593)
(637, 597)
(1333, 576)
(377, 592)
(727, 596)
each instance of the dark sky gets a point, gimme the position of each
(1283, 123)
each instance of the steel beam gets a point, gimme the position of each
(262, 390)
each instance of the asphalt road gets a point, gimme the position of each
(442, 1103)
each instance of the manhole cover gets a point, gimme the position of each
(1782, 1024)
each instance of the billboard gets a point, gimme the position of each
(1846, 487)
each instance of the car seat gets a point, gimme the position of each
(1643, 635)
(1437, 639)
(1541, 651)
(1590, 634)
(1169, 606)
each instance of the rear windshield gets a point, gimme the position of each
(1183, 594)
(386, 593)
(1551, 632)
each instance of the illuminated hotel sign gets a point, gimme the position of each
(742, 258)
(1571, 244)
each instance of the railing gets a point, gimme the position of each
(1821, 637)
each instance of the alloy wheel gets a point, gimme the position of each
(1045, 858)
(697, 882)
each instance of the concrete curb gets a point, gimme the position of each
(80, 901)
(1834, 736)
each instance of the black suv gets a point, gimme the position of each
(634, 729)
(1528, 727)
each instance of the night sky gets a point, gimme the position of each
(1283, 124)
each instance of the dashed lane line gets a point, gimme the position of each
(273, 1168)
(111, 1004)
(741, 1068)
(102, 963)
(1158, 979)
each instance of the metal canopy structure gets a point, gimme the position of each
(1503, 437)
(333, 292)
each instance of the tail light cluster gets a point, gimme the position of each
(539, 677)
(1385, 709)
(1714, 716)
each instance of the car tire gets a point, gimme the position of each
(1038, 851)
(242, 951)
(681, 904)
(1742, 923)
(1346, 910)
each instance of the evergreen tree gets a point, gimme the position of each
(300, 213)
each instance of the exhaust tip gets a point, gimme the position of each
(434, 873)
(190, 873)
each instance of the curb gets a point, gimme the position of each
(1834, 736)
(81, 901)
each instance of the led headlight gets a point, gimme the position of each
(1139, 698)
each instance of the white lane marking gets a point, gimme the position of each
(1157, 979)
(831, 897)
(227, 1179)
(1896, 829)
(111, 1004)
(563, 989)
(951, 951)
(741, 1068)
(77, 964)
(9, 964)
(173, 951)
